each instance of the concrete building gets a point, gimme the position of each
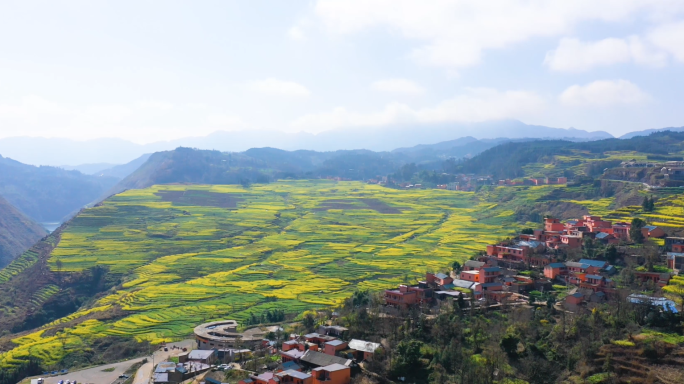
(224, 335)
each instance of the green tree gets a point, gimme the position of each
(456, 266)
(611, 253)
(635, 231)
(407, 361)
(308, 322)
(646, 205)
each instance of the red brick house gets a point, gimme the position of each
(675, 260)
(512, 252)
(555, 269)
(334, 346)
(483, 275)
(621, 230)
(406, 296)
(438, 278)
(658, 278)
(652, 231)
(596, 283)
(571, 241)
(574, 300)
(553, 225)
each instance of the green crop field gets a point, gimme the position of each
(191, 253)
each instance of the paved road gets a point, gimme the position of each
(98, 376)
(95, 375)
(144, 373)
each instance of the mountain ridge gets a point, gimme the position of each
(58, 151)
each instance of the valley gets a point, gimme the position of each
(179, 255)
(194, 236)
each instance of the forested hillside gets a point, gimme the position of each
(17, 233)
(558, 157)
(48, 194)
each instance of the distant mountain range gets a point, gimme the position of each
(107, 169)
(647, 132)
(49, 194)
(57, 152)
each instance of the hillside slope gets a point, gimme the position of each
(17, 233)
(565, 158)
(179, 254)
(48, 194)
(151, 263)
(256, 165)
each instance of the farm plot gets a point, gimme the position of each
(187, 254)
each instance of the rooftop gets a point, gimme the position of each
(463, 283)
(289, 365)
(594, 263)
(293, 353)
(656, 301)
(166, 366)
(474, 263)
(575, 264)
(199, 354)
(335, 343)
(331, 368)
(441, 276)
(365, 346)
(556, 265)
(321, 359)
(295, 374)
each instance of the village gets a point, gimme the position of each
(514, 270)
(314, 358)
(536, 267)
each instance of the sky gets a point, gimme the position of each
(148, 71)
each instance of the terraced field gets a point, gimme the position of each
(190, 254)
(195, 253)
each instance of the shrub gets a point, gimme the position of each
(623, 343)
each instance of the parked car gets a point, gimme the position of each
(123, 376)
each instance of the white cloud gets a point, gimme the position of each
(455, 33)
(280, 87)
(670, 37)
(604, 93)
(573, 55)
(296, 33)
(155, 105)
(475, 105)
(398, 86)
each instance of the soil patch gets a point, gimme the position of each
(200, 198)
(366, 203)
